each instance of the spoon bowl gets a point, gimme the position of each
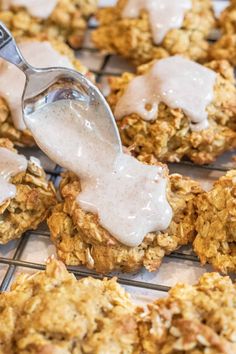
(49, 85)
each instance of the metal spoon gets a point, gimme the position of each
(45, 86)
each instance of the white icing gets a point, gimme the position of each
(35, 161)
(38, 8)
(176, 81)
(38, 54)
(130, 200)
(164, 15)
(10, 165)
(128, 196)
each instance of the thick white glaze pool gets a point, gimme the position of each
(128, 196)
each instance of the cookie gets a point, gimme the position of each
(32, 201)
(81, 240)
(192, 319)
(132, 37)
(66, 21)
(216, 224)
(225, 47)
(169, 137)
(52, 312)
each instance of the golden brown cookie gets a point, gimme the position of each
(67, 22)
(225, 47)
(193, 319)
(81, 240)
(216, 224)
(132, 38)
(228, 18)
(24, 137)
(169, 137)
(31, 205)
(51, 312)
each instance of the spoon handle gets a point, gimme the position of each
(10, 51)
(5, 37)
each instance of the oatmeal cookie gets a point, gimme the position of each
(52, 312)
(132, 38)
(67, 22)
(7, 128)
(169, 137)
(216, 224)
(225, 47)
(81, 240)
(34, 197)
(193, 319)
(228, 18)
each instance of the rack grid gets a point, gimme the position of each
(14, 262)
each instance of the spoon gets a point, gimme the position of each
(45, 86)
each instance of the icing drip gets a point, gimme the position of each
(10, 165)
(175, 81)
(164, 15)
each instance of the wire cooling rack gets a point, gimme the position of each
(30, 252)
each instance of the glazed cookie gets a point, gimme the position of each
(216, 224)
(169, 129)
(81, 240)
(39, 54)
(25, 194)
(61, 19)
(126, 29)
(192, 319)
(52, 312)
(225, 47)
